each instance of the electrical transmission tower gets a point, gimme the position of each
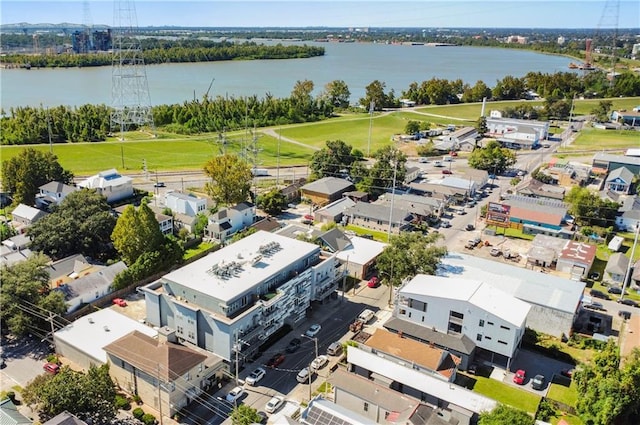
(130, 98)
(607, 33)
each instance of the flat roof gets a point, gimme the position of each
(483, 295)
(247, 266)
(361, 251)
(527, 285)
(90, 333)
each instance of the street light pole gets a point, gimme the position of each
(371, 106)
(315, 340)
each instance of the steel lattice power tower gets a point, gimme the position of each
(130, 97)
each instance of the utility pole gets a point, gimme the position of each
(315, 340)
(159, 393)
(393, 195)
(372, 105)
(344, 278)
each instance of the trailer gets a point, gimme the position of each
(259, 172)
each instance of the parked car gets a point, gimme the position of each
(594, 306)
(594, 276)
(519, 377)
(423, 160)
(627, 301)
(568, 373)
(334, 349)
(304, 376)
(235, 394)
(319, 362)
(255, 376)
(460, 211)
(274, 404)
(373, 282)
(469, 227)
(614, 290)
(625, 314)
(313, 330)
(159, 184)
(120, 302)
(51, 368)
(598, 294)
(293, 346)
(446, 224)
(447, 172)
(275, 360)
(366, 315)
(538, 382)
(495, 252)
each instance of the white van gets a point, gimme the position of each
(334, 349)
(366, 316)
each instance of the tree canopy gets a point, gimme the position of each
(272, 202)
(408, 254)
(328, 161)
(589, 209)
(81, 224)
(88, 395)
(337, 93)
(136, 232)
(23, 174)
(502, 415)
(26, 297)
(230, 179)
(378, 179)
(607, 393)
(245, 415)
(493, 158)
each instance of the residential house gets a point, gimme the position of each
(628, 220)
(165, 222)
(24, 216)
(631, 118)
(110, 184)
(568, 173)
(292, 191)
(70, 268)
(536, 189)
(326, 190)
(165, 375)
(635, 276)
(53, 193)
(82, 341)
(616, 268)
(356, 195)
(15, 243)
(377, 217)
(379, 404)
(619, 180)
(249, 289)
(411, 173)
(537, 215)
(511, 128)
(183, 221)
(65, 418)
(461, 135)
(268, 224)
(228, 221)
(333, 212)
(359, 257)
(609, 162)
(10, 256)
(494, 320)
(333, 240)
(187, 204)
(10, 415)
(423, 208)
(90, 288)
(300, 232)
(554, 300)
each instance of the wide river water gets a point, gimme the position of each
(358, 64)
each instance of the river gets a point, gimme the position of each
(358, 64)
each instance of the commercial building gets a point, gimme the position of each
(234, 299)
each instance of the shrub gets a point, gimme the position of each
(148, 419)
(137, 399)
(122, 402)
(545, 411)
(138, 413)
(52, 358)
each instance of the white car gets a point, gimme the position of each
(255, 376)
(423, 160)
(274, 404)
(235, 394)
(319, 362)
(304, 376)
(313, 330)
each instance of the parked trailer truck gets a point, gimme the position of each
(258, 172)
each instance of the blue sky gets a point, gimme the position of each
(336, 13)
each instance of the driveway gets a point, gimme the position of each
(535, 364)
(24, 358)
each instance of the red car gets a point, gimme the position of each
(519, 377)
(275, 361)
(51, 368)
(373, 282)
(120, 302)
(446, 172)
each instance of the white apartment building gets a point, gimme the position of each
(242, 294)
(189, 205)
(494, 320)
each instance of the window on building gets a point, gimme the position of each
(490, 323)
(479, 337)
(455, 328)
(403, 311)
(502, 342)
(505, 327)
(487, 337)
(456, 314)
(481, 323)
(366, 406)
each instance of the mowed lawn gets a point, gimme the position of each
(593, 138)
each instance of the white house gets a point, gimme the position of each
(110, 184)
(493, 319)
(53, 193)
(189, 204)
(628, 220)
(227, 221)
(24, 216)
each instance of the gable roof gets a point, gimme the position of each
(549, 211)
(335, 239)
(149, 355)
(268, 224)
(337, 207)
(617, 264)
(65, 418)
(67, 265)
(621, 173)
(361, 250)
(379, 212)
(459, 343)
(58, 187)
(27, 212)
(242, 206)
(9, 414)
(328, 186)
(92, 282)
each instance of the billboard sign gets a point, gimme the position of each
(498, 214)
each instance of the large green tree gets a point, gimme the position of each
(90, 395)
(602, 112)
(26, 298)
(272, 202)
(607, 392)
(230, 179)
(136, 232)
(328, 161)
(503, 415)
(81, 224)
(493, 158)
(390, 162)
(245, 415)
(337, 93)
(23, 174)
(408, 254)
(589, 209)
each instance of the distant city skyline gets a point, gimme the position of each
(567, 14)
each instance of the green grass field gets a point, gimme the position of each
(585, 106)
(593, 138)
(506, 394)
